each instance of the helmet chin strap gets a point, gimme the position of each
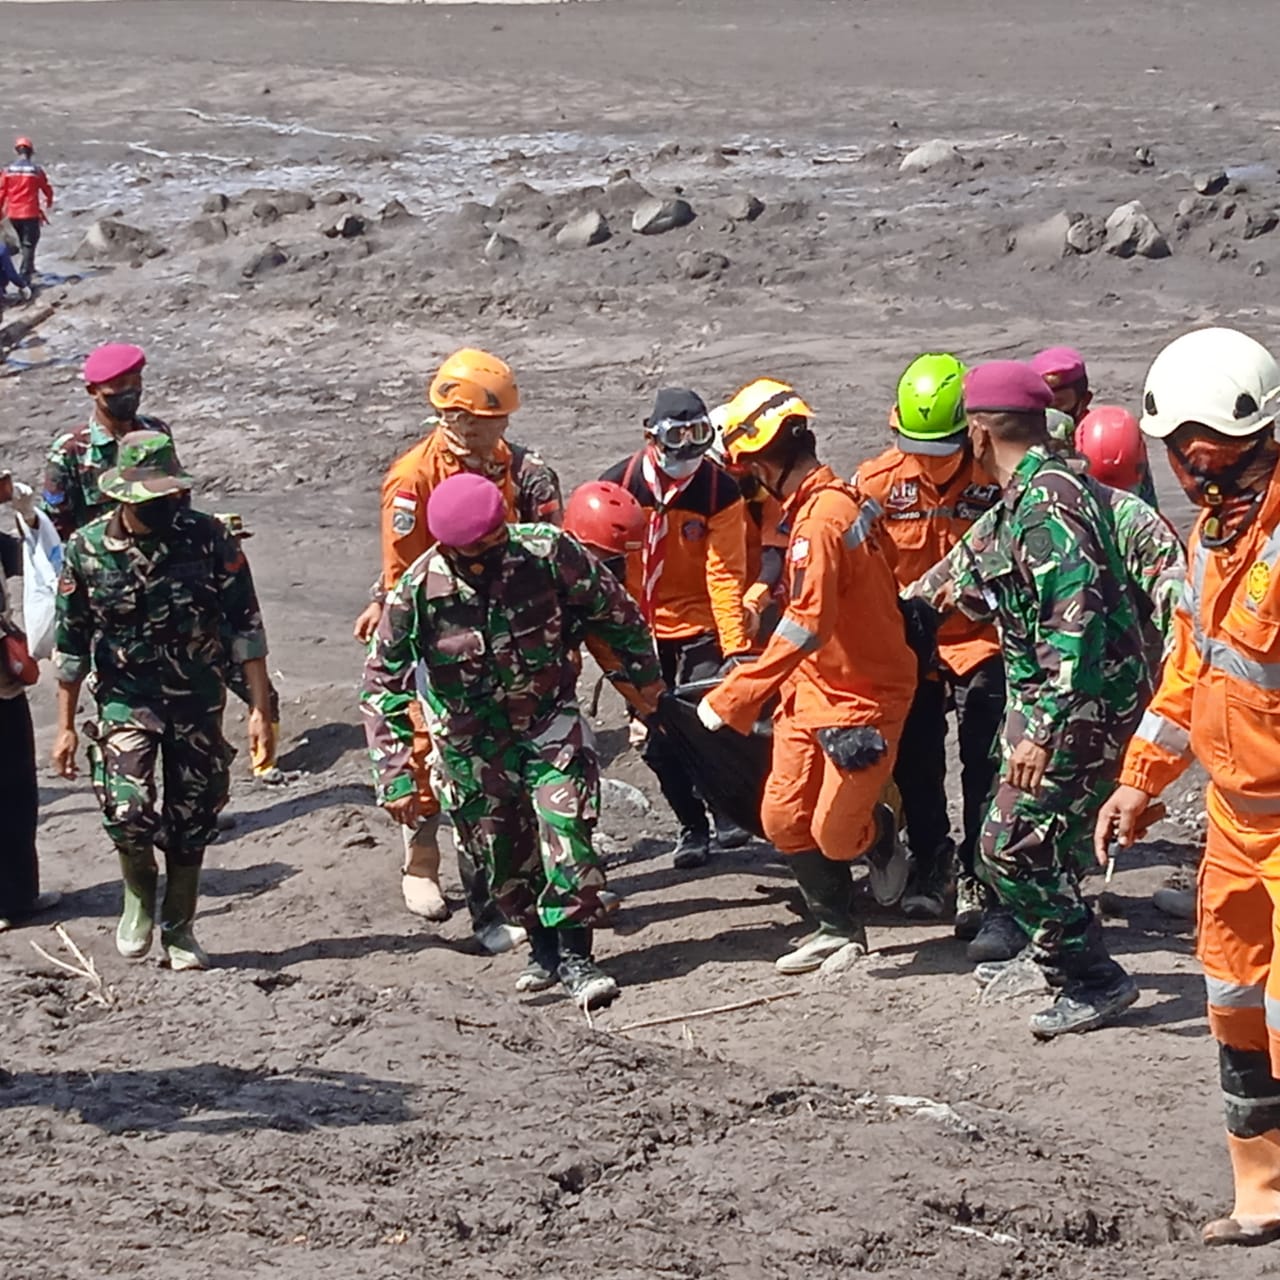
(1218, 489)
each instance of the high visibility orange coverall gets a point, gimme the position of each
(1219, 702)
(839, 658)
(930, 502)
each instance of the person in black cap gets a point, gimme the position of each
(689, 579)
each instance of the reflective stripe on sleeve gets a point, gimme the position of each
(797, 634)
(1162, 732)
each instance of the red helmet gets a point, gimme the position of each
(1110, 439)
(605, 517)
(23, 144)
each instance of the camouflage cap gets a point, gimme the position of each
(146, 467)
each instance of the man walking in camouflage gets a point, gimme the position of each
(482, 629)
(1053, 579)
(155, 603)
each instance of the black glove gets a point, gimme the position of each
(920, 621)
(853, 748)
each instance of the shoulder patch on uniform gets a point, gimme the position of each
(403, 520)
(1038, 541)
(799, 552)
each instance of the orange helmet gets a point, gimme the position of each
(477, 382)
(605, 517)
(24, 144)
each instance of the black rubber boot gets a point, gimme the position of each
(693, 848)
(827, 887)
(540, 973)
(1000, 938)
(582, 978)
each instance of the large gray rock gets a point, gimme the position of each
(1086, 233)
(500, 248)
(655, 216)
(347, 227)
(702, 264)
(587, 229)
(1209, 184)
(1064, 234)
(265, 261)
(209, 230)
(743, 207)
(110, 241)
(933, 156)
(1131, 232)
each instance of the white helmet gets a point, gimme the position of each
(719, 420)
(1220, 378)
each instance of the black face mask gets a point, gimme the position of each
(122, 406)
(481, 569)
(158, 515)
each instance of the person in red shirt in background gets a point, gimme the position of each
(22, 185)
(690, 580)
(932, 491)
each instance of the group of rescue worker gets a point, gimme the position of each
(998, 558)
(1003, 557)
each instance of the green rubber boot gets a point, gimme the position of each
(181, 889)
(137, 919)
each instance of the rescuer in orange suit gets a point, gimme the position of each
(932, 491)
(474, 394)
(840, 661)
(1213, 396)
(689, 579)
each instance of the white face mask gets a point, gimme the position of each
(676, 468)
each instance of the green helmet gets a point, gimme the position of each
(931, 398)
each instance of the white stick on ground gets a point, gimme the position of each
(707, 1013)
(99, 992)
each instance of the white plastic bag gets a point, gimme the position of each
(41, 565)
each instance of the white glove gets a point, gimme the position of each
(710, 720)
(24, 502)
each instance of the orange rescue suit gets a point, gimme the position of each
(1219, 702)
(704, 571)
(929, 504)
(838, 658)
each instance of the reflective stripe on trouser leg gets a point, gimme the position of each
(1234, 936)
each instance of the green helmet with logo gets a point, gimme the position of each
(931, 398)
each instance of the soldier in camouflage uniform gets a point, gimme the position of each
(72, 493)
(482, 629)
(155, 604)
(1053, 578)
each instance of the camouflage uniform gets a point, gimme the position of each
(156, 623)
(512, 759)
(538, 496)
(71, 494)
(1153, 558)
(1050, 572)
(72, 497)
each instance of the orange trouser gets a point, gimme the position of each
(418, 761)
(811, 804)
(1239, 918)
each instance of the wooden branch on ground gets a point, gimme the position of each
(666, 1019)
(12, 334)
(99, 992)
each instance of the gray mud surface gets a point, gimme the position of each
(353, 1094)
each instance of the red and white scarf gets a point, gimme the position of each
(665, 491)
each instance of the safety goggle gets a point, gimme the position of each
(687, 435)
